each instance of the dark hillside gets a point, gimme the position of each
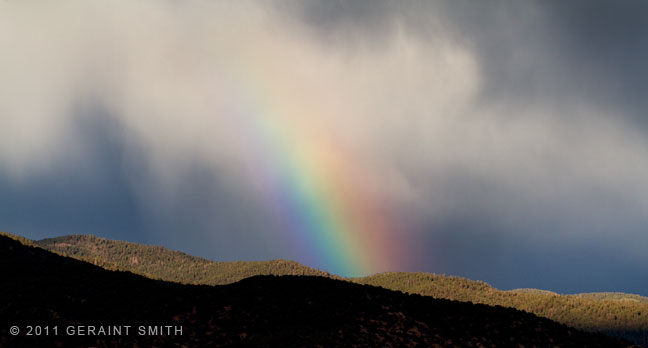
(41, 288)
(623, 315)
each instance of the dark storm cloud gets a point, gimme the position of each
(210, 215)
(560, 241)
(363, 23)
(500, 227)
(89, 195)
(551, 50)
(505, 132)
(607, 41)
(509, 251)
(101, 193)
(473, 250)
(591, 50)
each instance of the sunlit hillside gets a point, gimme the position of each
(623, 314)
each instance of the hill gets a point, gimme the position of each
(42, 288)
(613, 296)
(624, 315)
(160, 263)
(533, 291)
(624, 318)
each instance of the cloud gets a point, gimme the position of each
(173, 77)
(513, 121)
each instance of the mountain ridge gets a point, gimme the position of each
(261, 311)
(161, 263)
(626, 315)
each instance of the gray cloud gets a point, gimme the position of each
(554, 51)
(500, 133)
(77, 194)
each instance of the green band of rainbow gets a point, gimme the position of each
(317, 184)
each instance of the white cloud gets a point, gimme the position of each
(188, 79)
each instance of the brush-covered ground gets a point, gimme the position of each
(624, 315)
(44, 288)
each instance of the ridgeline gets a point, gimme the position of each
(619, 314)
(46, 289)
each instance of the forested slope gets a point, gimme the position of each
(622, 314)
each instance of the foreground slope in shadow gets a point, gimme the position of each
(41, 288)
(617, 314)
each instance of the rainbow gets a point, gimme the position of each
(317, 182)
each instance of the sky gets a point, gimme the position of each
(501, 141)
